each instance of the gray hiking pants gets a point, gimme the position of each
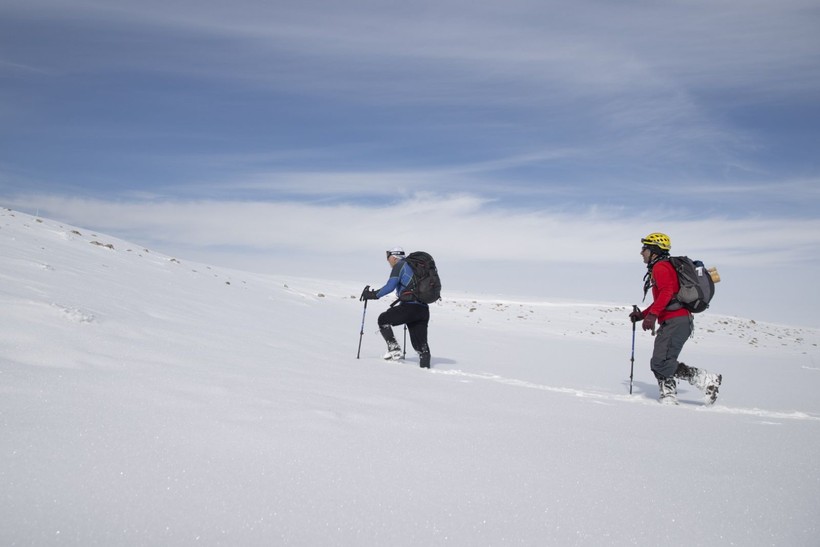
(669, 341)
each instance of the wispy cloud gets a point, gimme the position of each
(640, 65)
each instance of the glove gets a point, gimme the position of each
(636, 315)
(649, 322)
(368, 294)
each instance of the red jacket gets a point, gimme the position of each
(664, 286)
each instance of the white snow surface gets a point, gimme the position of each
(146, 400)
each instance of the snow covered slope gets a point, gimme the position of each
(146, 400)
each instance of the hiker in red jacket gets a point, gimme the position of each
(674, 322)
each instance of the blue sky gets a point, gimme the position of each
(280, 136)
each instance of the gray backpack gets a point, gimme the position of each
(696, 285)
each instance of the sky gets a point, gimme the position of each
(153, 401)
(524, 143)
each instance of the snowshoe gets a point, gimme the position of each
(710, 392)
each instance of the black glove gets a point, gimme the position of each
(649, 322)
(636, 315)
(368, 294)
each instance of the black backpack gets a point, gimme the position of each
(426, 284)
(696, 285)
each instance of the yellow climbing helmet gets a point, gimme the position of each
(659, 240)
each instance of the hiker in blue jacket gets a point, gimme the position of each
(406, 310)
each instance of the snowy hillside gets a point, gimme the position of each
(146, 400)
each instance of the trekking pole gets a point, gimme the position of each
(361, 333)
(404, 345)
(632, 359)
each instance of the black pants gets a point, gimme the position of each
(415, 316)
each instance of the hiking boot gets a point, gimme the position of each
(668, 389)
(393, 352)
(707, 382)
(424, 359)
(685, 372)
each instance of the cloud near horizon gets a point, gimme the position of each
(463, 226)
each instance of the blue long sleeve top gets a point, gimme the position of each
(400, 277)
